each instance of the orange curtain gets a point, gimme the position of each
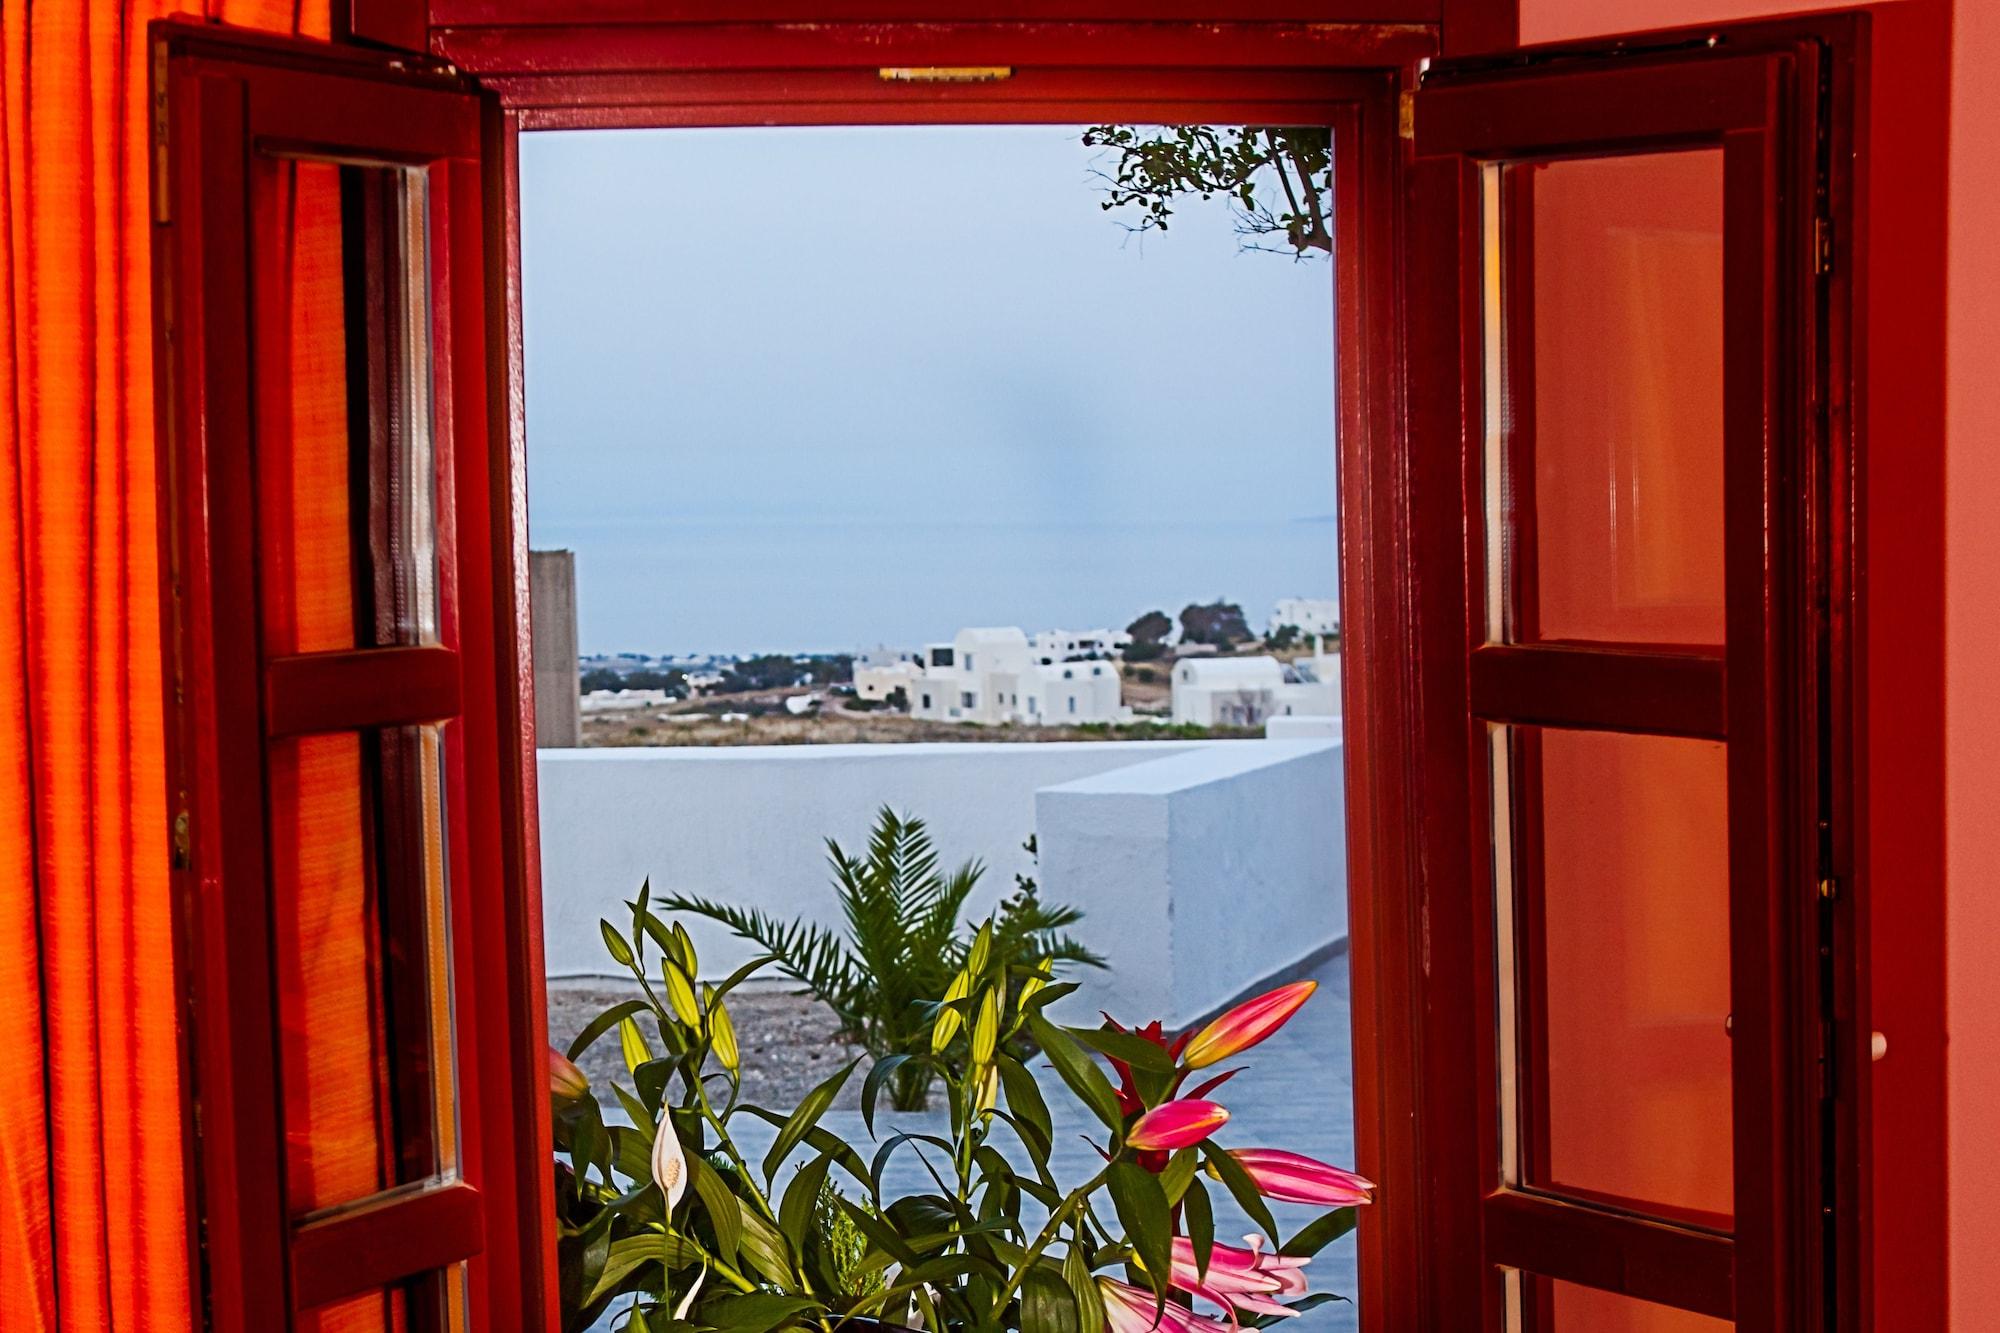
(93, 1227)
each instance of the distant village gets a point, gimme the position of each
(1206, 670)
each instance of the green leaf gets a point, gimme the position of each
(1319, 1233)
(1142, 1211)
(1179, 1173)
(820, 1140)
(1231, 1173)
(764, 1249)
(871, 1087)
(759, 1312)
(641, 1116)
(1089, 1300)
(1079, 1071)
(1031, 1112)
(621, 952)
(603, 1023)
(624, 1258)
(1047, 1303)
(1134, 1050)
(810, 1109)
(1199, 1221)
(719, 1203)
(795, 1213)
(742, 974)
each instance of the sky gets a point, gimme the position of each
(813, 390)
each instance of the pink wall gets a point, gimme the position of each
(1932, 404)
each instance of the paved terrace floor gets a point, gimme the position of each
(1295, 1092)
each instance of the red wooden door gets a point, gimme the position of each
(361, 937)
(1615, 398)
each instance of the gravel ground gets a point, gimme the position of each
(789, 1041)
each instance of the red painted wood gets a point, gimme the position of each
(215, 758)
(1667, 694)
(369, 1247)
(1580, 109)
(1479, 27)
(1671, 1265)
(367, 687)
(404, 24)
(576, 49)
(564, 13)
(1766, 698)
(308, 96)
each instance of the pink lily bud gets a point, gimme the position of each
(1130, 1309)
(1173, 1125)
(1247, 1024)
(1243, 1280)
(566, 1082)
(1292, 1178)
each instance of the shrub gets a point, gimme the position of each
(903, 944)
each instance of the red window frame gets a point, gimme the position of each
(579, 63)
(1350, 76)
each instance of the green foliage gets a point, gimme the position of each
(673, 682)
(999, 1243)
(1278, 181)
(1220, 623)
(1152, 628)
(902, 945)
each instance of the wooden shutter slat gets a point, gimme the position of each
(364, 687)
(1646, 1260)
(1661, 694)
(367, 1247)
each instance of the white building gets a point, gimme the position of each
(1309, 615)
(879, 681)
(993, 676)
(1064, 645)
(1248, 691)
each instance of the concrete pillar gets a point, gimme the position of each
(552, 617)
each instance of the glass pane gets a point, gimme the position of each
(347, 475)
(348, 484)
(358, 879)
(1604, 398)
(1537, 1304)
(1614, 945)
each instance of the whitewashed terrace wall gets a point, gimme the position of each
(1161, 843)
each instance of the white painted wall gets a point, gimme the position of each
(1202, 867)
(747, 824)
(1222, 865)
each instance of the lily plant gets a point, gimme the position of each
(668, 1226)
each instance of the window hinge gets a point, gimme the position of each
(1406, 114)
(162, 194)
(183, 842)
(1822, 245)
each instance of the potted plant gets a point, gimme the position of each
(666, 1225)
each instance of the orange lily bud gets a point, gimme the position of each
(1247, 1024)
(566, 1082)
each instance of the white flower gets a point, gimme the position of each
(670, 1167)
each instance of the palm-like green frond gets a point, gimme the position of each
(809, 954)
(904, 940)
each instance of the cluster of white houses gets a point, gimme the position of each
(993, 676)
(1067, 678)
